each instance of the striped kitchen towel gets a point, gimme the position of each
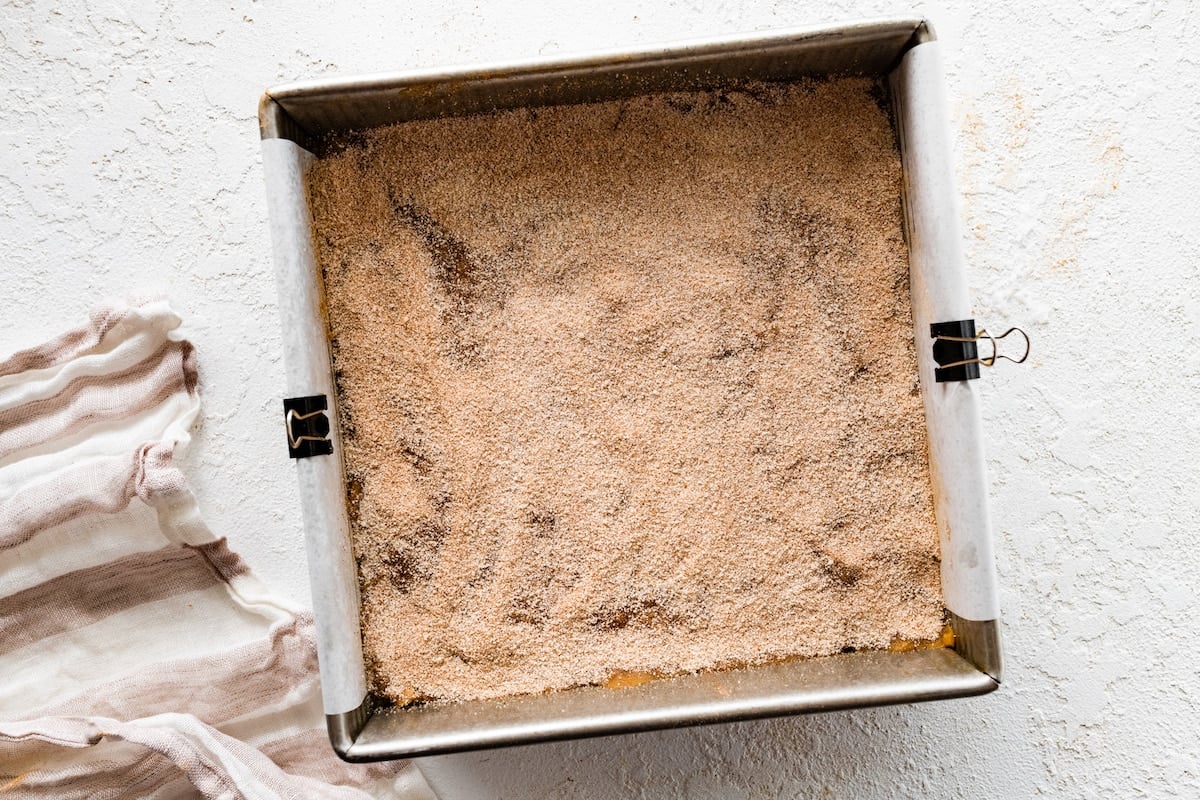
(139, 656)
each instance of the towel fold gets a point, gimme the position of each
(139, 655)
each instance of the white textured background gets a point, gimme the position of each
(129, 164)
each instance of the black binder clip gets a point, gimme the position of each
(307, 426)
(956, 349)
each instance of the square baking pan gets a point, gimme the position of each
(295, 117)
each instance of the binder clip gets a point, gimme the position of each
(307, 426)
(956, 349)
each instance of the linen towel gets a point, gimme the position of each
(139, 656)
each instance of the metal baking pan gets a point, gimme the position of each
(293, 117)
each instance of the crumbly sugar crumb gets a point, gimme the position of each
(627, 387)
